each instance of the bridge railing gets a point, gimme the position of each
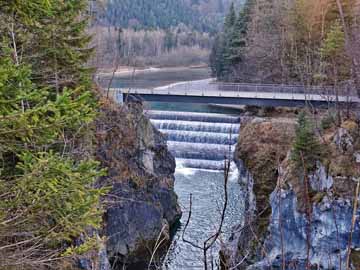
(344, 90)
(325, 91)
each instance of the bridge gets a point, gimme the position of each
(241, 94)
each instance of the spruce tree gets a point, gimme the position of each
(47, 191)
(219, 57)
(230, 18)
(229, 46)
(238, 35)
(62, 43)
(306, 148)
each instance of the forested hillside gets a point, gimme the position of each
(156, 32)
(200, 15)
(303, 41)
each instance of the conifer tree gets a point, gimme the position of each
(229, 46)
(217, 59)
(46, 189)
(63, 44)
(306, 149)
(230, 18)
(237, 37)
(336, 63)
(220, 54)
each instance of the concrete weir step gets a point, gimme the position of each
(191, 116)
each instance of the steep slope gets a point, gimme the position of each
(290, 224)
(201, 15)
(141, 207)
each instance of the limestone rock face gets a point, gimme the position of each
(330, 229)
(320, 181)
(286, 236)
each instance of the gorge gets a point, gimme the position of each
(200, 141)
(125, 145)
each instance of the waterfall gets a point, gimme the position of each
(198, 140)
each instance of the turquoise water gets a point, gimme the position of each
(190, 107)
(158, 78)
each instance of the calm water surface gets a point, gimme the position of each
(161, 77)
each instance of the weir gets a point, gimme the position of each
(198, 140)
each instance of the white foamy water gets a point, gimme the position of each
(198, 140)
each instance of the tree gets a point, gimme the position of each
(64, 46)
(348, 15)
(229, 47)
(220, 55)
(306, 148)
(217, 59)
(47, 177)
(230, 18)
(238, 35)
(169, 40)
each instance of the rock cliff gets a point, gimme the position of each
(141, 207)
(277, 232)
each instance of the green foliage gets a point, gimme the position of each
(51, 193)
(53, 40)
(56, 195)
(64, 46)
(218, 62)
(200, 15)
(328, 121)
(337, 66)
(30, 117)
(230, 18)
(229, 46)
(47, 175)
(238, 35)
(90, 243)
(334, 42)
(306, 149)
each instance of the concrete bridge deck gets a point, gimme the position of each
(239, 94)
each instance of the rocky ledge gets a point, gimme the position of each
(278, 232)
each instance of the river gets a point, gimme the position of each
(200, 137)
(157, 77)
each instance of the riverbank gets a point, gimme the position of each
(130, 70)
